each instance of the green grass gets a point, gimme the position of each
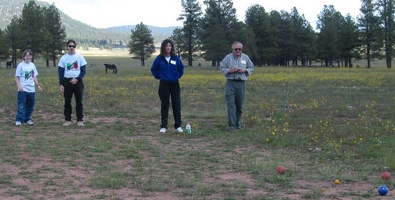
(322, 124)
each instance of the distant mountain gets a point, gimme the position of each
(159, 33)
(81, 31)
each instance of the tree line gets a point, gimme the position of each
(286, 38)
(276, 38)
(37, 28)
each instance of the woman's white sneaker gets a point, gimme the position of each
(179, 130)
(162, 130)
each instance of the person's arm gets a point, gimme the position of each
(250, 67)
(37, 84)
(18, 84)
(61, 75)
(224, 67)
(180, 68)
(155, 68)
(82, 72)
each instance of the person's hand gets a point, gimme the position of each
(242, 71)
(20, 89)
(61, 88)
(73, 81)
(233, 69)
(39, 88)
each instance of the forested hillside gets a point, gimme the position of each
(75, 29)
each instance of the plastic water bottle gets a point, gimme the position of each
(188, 128)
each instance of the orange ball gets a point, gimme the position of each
(280, 169)
(337, 182)
(386, 175)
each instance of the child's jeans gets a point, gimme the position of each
(26, 102)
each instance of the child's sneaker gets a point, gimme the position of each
(80, 123)
(18, 123)
(30, 122)
(162, 130)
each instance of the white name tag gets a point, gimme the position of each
(172, 62)
(243, 62)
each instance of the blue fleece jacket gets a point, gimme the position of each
(167, 71)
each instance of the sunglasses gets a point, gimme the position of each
(72, 46)
(237, 49)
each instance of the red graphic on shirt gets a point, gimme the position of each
(75, 65)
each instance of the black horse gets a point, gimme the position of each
(111, 67)
(8, 64)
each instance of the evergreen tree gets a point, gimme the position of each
(349, 41)
(328, 37)
(242, 33)
(216, 29)
(14, 35)
(56, 34)
(302, 37)
(249, 46)
(179, 41)
(260, 23)
(295, 22)
(282, 25)
(370, 32)
(387, 11)
(32, 24)
(141, 44)
(4, 46)
(191, 15)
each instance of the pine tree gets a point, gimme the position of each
(260, 23)
(4, 46)
(303, 38)
(179, 40)
(348, 39)
(32, 25)
(56, 34)
(370, 31)
(141, 44)
(386, 9)
(14, 35)
(191, 15)
(217, 29)
(328, 37)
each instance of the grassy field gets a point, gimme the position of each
(321, 124)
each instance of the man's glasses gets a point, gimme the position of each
(72, 46)
(237, 49)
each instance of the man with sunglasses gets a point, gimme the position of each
(236, 67)
(72, 69)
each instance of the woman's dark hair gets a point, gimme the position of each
(163, 48)
(71, 41)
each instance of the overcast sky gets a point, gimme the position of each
(164, 13)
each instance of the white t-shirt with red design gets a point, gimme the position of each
(72, 64)
(26, 73)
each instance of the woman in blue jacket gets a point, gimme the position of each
(168, 68)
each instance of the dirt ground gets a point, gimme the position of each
(77, 175)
